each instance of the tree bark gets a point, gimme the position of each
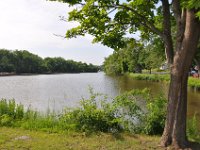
(167, 37)
(175, 126)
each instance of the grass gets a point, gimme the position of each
(38, 140)
(192, 82)
(150, 77)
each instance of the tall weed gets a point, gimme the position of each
(193, 131)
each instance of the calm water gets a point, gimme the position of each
(58, 91)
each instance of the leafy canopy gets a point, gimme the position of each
(109, 21)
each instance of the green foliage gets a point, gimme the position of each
(136, 111)
(135, 57)
(150, 77)
(93, 115)
(6, 65)
(128, 110)
(10, 111)
(192, 82)
(125, 60)
(5, 120)
(109, 21)
(156, 115)
(193, 131)
(148, 119)
(191, 4)
(152, 55)
(113, 65)
(26, 62)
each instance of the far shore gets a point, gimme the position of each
(7, 73)
(24, 74)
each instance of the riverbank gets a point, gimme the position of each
(192, 82)
(7, 73)
(33, 74)
(16, 138)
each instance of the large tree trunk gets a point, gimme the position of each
(175, 126)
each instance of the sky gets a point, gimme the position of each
(32, 24)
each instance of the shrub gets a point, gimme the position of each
(148, 119)
(93, 115)
(154, 119)
(127, 109)
(193, 131)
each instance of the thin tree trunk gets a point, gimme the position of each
(179, 138)
(175, 126)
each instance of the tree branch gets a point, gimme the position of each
(180, 16)
(176, 9)
(58, 35)
(169, 50)
(146, 23)
(62, 18)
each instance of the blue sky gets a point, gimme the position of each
(31, 25)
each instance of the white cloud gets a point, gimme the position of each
(30, 24)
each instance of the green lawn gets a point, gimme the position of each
(19, 139)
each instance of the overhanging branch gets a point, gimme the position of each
(144, 20)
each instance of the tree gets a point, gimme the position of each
(113, 65)
(26, 62)
(6, 61)
(153, 54)
(132, 58)
(110, 20)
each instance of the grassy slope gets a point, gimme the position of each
(37, 140)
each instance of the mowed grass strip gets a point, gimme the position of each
(192, 82)
(20, 139)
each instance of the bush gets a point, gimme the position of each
(127, 109)
(148, 119)
(93, 115)
(154, 119)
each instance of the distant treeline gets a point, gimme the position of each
(25, 62)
